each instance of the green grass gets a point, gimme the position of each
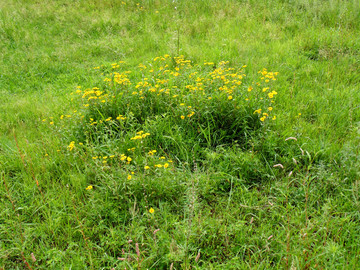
(220, 203)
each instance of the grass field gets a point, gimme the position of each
(179, 134)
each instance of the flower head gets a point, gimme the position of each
(71, 146)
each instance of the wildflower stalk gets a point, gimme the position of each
(288, 222)
(191, 217)
(306, 252)
(306, 184)
(177, 28)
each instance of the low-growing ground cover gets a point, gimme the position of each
(179, 135)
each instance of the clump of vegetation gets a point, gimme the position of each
(170, 107)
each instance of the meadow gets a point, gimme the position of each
(179, 134)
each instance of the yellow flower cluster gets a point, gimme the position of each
(71, 146)
(103, 158)
(198, 84)
(164, 165)
(121, 117)
(140, 135)
(93, 95)
(267, 76)
(161, 165)
(272, 94)
(120, 78)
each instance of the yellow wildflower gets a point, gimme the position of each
(89, 187)
(151, 210)
(71, 146)
(257, 111)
